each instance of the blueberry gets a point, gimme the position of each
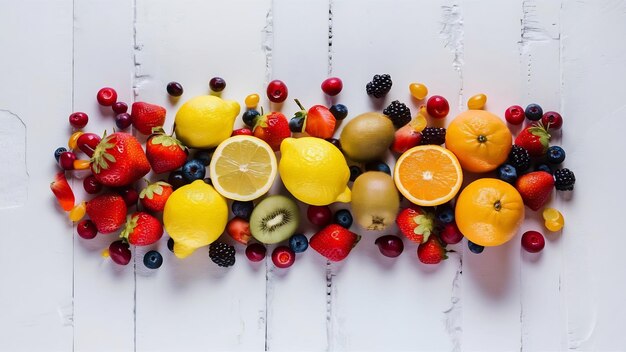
(343, 218)
(58, 152)
(242, 209)
(533, 112)
(355, 171)
(249, 117)
(298, 243)
(339, 111)
(296, 124)
(176, 179)
(204, 156)
(170, 244)
(507, 173)
(445, 214)
(475, 248)
(378, 166)
(153, 260)
(556, 155)
(543, 167)
(194, 170)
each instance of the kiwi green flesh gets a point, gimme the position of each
(274, 219)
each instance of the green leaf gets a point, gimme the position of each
(425, 224)
(109, 157)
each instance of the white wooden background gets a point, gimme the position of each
(58, 294)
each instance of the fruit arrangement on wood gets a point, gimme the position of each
(208, 184)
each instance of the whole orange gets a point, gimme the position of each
(479, 139)
(489, 212)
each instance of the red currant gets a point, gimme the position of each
(255, 252)
(119, 107)
(332, 86)
(217, 84)
(91, 185)
(130, 195)
(79, 119)
(390, 245)
(283, 257)
(120, 252)
(533, 241)
(552, 120)
(319, 215)
(277, 91)
(123, 121)
(515, 115)
(175, 89)
(86, 229)
(66, 160)
(437, 107)
(87, 143)
(106, 96)
(451, 234)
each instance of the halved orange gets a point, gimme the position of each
(428, 175)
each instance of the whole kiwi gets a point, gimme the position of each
(367, 137)
(375, 200)
(274, 219)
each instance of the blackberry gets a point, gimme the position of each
(519, 158)
(222, 254)
(433, 135)
(379, 86)
(564, 180)
(399, 113)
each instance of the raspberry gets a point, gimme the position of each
(519, 158)
(399, 113)
(379, 86)
(222, 254)
(433, 135)
(564, 180)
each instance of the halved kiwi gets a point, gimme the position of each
(275, 219)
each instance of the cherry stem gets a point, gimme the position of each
(300, 105)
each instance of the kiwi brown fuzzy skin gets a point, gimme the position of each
(274, 219)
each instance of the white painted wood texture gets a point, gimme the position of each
(58, 294)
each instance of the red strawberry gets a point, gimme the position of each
(318, 121)
(242, 132)
(154, 196)
(432, 251)
(239, 230)
(107, 211)
(165, 153)
(62, 191)
(334, 242)
(146, 116)
(119, 160)
(142, 229)
(534, 138)
(416, 224)
(535, 188)
(272, 128)
(405, 138)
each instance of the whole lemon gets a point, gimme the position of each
(205, 121)
(314, 171)
(195, 215)
(489, 212)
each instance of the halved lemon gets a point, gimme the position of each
(428, 175)
(243, 168)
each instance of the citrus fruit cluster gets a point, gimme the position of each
(425, 195)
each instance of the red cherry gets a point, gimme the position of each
(533, 241)
(119, 107)
(552, 120)
(66, 160)
(87, 143)
(91, 185)
(283, 257)
(79, 119)
(437, 107)
(255, 252)
(120, 252)
(106, 96)
(319, 215)
(277, 91)
(130, 195)
(86, 229)
(390, 245)
(451, 234)
(515, 115)
(332, 86)
(242, 132)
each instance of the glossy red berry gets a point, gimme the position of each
(437, 107)
(515, 115)
(255, 252)
(319, 215)
(87, 143)
(79, 119)
(66, 160)
(123, 120)
(390, 245)
(552, 120)
(533, 241)
(217, 84)
(120, 252)
(242, 132)
(277, 91)
(283, 257)
(451, 234)
(332, 86)
(175, 89)
(91, 185)
(119, 107)
(106, 96)
(86, 229)
(130, 195)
